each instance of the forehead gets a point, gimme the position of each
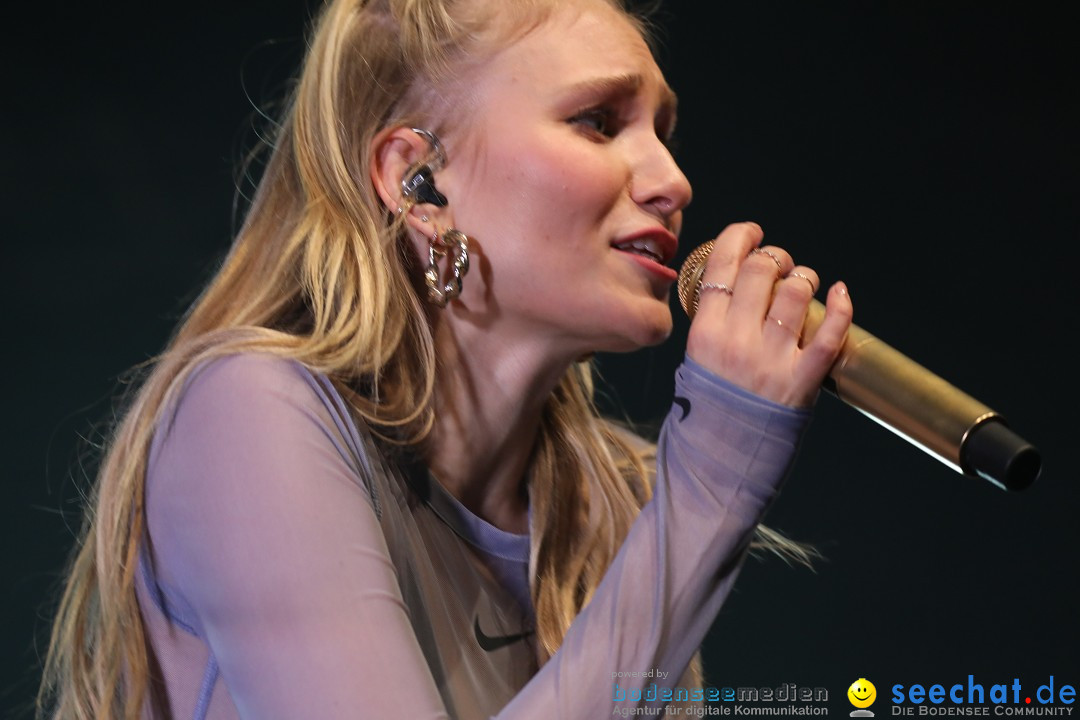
(577, 45)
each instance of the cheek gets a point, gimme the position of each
(555, 182)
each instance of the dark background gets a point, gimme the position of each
(926, 155)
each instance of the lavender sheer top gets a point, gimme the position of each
(292, 569)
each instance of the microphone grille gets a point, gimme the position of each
(690, 277)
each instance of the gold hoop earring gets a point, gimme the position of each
(452, 241)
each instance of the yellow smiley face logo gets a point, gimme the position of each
(862, 693)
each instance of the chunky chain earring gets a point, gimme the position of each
(457, 243)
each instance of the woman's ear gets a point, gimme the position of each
(397, 154)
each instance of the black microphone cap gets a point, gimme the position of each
(994, 452)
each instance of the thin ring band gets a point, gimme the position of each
(722, 287)
(763, 251)
(784, 326)
(813, 290)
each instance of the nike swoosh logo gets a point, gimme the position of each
(684, 404)
(491, 643)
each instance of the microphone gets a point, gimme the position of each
(907, 399)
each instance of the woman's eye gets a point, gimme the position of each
(598, 120)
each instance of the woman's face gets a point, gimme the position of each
(563, 178)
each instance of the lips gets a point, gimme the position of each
(656, 244)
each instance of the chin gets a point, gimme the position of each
(658, 335)
(651, 329)
(659, 328)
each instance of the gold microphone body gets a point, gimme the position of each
(906, 398)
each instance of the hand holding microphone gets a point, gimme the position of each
(752, 304)
(861, 370)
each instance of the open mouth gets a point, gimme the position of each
(656, 244)
(643, 246)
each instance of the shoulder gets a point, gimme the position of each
(249, 382)
(254, 399)
(246, 375)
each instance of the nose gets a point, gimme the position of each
(658, 184)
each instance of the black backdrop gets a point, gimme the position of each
(927, 155)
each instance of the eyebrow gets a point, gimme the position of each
(624, 84)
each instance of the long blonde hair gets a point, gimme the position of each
(319, 274)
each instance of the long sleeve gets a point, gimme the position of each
(266, 547)
(721, 457)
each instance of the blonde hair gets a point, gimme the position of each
(319, 274)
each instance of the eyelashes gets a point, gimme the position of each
(597, 120)
(605, 122)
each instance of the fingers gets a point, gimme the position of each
(729, 251)
(756, 280)
(753, 303)
(821, 352)
(791, 298)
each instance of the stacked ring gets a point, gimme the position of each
(763, 251)
(813, 290)
(785, 326)
(722, 287)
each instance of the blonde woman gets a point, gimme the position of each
(366, 477)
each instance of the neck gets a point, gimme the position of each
(489, 401)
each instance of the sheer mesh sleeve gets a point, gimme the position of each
(263, 535)
(265, 544)
(721, 457)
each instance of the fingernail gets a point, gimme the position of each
(842, 289)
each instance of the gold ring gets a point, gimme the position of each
(785, 326)
(763, 251)
(813, 290)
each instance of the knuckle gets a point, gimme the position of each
(843, 315)
(749, 227)
(829, 342)
(760, 265)
(797, 292)
(809, 272)
(745, 235)
(819, 359)
(723, 256)
(823, 351)
(781, 253)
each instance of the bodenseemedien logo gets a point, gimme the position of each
(862, 694)
(646, 693)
